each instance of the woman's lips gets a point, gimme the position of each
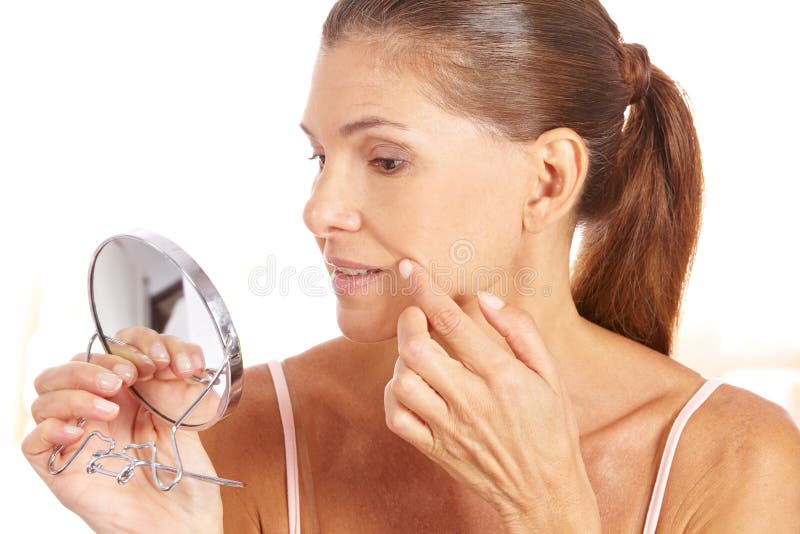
(339, 262)
(347, 284)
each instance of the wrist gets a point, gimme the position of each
(583, 522)
(559, 515)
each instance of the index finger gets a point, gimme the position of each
(181, 357)
(453, 325)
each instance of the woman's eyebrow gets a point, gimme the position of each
(361, 124)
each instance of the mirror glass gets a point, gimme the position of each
(142, 281)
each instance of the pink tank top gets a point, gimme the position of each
(653, 511)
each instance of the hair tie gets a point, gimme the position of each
(636, 70)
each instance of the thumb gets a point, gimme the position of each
(519, 329)
(39, 444)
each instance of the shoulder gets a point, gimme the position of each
(740, 466)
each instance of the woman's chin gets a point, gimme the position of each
(367, 327)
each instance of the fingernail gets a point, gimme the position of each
(108, 381)
(72, 430)
(405, 267)
(124, 371)
(491, 300)
(183, 363)
(105, 406)
(158, 353)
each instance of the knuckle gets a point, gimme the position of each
(404, 384)
(138, 337)
(171, 341)
(435, 448)
(396, 420)
(47, 427)
(36, 408)
(78, 404)
(27, 446)
(130, 332)
(126, 334)
(464, 414)
(76, 374)
(77, 401)
(196, 351)
(174, 345)
(388, 417)
(525, 320)
(387, 392)
(446, 321)
(56, 406)
(49, 432)
(40, 382)
(449, 444)
(413, 349)
(516, 334)
(524, 326)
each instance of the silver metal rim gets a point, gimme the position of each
(216, 309)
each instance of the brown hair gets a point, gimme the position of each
(522, 67)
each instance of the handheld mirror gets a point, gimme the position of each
(142, 284)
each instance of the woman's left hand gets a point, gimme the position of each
(499, 421)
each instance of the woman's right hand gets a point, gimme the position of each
(99, 392)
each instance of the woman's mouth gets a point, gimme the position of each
(355, 272)
(346, 281)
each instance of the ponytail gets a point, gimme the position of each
(634, 260)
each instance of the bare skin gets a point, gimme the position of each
(738, 463)
(512, 203)
(357, 476)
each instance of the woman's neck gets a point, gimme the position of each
(576, 345)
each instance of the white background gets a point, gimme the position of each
(182, 117)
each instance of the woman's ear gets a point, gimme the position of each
(560, 162)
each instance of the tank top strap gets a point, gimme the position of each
(290, 444)
(654, 510)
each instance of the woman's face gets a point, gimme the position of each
(436, 190)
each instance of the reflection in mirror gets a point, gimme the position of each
(135, 288)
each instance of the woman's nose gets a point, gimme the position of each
(330, 208)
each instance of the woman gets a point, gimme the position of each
(471, 138)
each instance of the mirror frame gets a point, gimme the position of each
(216, 308)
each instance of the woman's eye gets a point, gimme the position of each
(388, 165)
(321, 159)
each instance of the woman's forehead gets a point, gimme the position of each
(350, 84)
